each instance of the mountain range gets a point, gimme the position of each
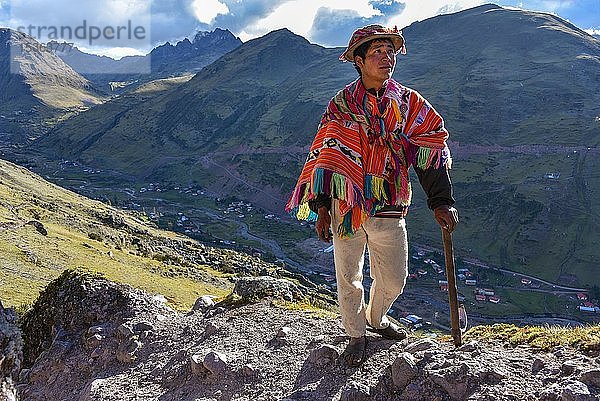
(36, 86)
(167, 60)
(42, 84)
(519, 90)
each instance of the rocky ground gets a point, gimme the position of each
(89, 339)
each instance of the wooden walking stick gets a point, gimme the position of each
(452, 291)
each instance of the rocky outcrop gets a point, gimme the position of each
(80, 307)
(90, 339)
(184, 255)
(252, 289)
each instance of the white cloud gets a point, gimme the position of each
(327, 22)
(555, 5)
(416, 10)
(207, 10)
(593, 31)
(114, 52)
(119, 10)
(298, 16)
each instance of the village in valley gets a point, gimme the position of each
(489, 294)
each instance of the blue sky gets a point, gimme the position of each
(326, 22)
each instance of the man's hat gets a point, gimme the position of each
(371, 32)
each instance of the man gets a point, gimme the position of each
(355, 180)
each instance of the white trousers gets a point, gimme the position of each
(388, 257)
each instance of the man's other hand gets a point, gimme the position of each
(323, 223)
(447, 217)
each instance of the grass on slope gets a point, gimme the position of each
(61, 97)
(30, 260)
(586, 338)
(161, 85)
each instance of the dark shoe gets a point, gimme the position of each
(354, 354)
(392, 332)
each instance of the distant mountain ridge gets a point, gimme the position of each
(36, 85)
(163, 61)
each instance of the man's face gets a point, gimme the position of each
(379, 62)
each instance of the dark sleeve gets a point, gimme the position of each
(437, 185)
(320, 200)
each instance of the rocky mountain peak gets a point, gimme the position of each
(203, 49)
(281, 46)
(218, 35)
(285, 35)
(184, 44)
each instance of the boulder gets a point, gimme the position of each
(471, 346)
(216, 363)
(421, 345)
(204, 303)
(457, 381)
(591, 377)
(404, 370)
(576, 391)
(196, 366)
(323, 355)
(127, 351)
(252, 289)
(78, 300)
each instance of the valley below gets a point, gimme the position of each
(222, 219)
(211, 147)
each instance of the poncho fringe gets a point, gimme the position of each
(353, 150)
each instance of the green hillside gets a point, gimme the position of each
(513, 216)
(37, 89)
(508, 77)
(519, 90)
(45, 229)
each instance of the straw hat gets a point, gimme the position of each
(371, 32)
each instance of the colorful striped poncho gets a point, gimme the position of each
(363, 149)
